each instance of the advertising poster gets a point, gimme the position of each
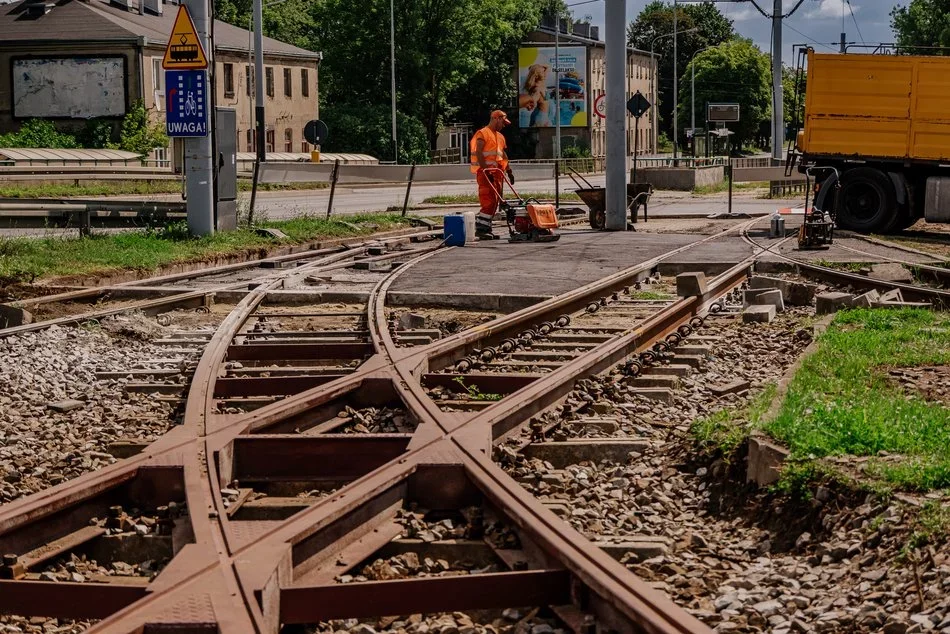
(537, 104)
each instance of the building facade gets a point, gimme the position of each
(75, 60)
(588, 131)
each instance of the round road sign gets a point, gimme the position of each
(600, 106)
(315, 132)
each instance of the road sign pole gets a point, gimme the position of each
(199, 163)
(616, 35)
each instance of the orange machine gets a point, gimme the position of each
(881, 123)
(528, 220)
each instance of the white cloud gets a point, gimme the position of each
(832, 9)
(740, 13)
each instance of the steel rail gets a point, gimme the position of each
(198, 297)
(232, 579)
(908, 291)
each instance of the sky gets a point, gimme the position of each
(815, 21)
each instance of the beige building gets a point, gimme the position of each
(641, 70)
(74, 60)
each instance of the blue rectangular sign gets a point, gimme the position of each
(186, 99)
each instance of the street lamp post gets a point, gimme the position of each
(692, 97)
(654, 90)
(392, 72)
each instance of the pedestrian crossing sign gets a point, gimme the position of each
(184, 50)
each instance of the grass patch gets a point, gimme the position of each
(719, 188)
(851, 267)
(726, 429)
(840, 402)
(245, 185)
(130, 188)
(65, 190)
(649, 295)
(472, 199)
(27, 259)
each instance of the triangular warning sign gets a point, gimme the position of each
(184, 50)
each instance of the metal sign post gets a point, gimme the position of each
(637, 105)
(189, 101)
(616, 59)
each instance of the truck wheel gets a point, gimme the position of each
(867, 202)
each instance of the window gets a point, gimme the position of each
(158, 75)
(288, 83)
(250, 141)
(269, 81)
(304, 147)
(229, 80)
(247, 78)
(304, 82)
(270, 141)
(288, 140)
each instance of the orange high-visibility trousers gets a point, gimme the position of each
(488, 196)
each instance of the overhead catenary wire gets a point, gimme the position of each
(809, 38)
(853, 19)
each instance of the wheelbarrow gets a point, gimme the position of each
(638, 194)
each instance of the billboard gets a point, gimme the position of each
(536, 90)
(69, 87)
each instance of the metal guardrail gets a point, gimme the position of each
(86, 214)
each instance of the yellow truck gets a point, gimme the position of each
(883, 122)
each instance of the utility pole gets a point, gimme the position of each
(778, 97)
(557, 87)
(676, 84)
(844, 44)
(199, 163)
(616, 89)
(259, 78)
(392, 74)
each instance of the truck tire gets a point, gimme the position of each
(867, 202)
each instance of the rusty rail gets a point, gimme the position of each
(233, 575)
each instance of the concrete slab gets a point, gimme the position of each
(547, 269)
(827, 303)
(763, 314)
(562, 454)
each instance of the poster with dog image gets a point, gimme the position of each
(537, 101)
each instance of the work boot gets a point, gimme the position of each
(484, 233)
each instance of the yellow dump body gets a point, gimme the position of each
(877, 106)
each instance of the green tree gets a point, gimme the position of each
(794, 96)
(368, 129)
(922, 23)
(139, 134)
(38, 133)
(656, 19)
(453, 57)
(736, 71)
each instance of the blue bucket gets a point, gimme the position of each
(453, 229)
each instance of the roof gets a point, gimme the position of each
(571, 37)
(67, 156)
(98, 21)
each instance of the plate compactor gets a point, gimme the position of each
(528, 220)
(818, 226)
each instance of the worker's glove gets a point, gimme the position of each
(511, 175)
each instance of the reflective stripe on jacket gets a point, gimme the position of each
(493, 151)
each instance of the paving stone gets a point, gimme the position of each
(11, 316)
(793, 293)
(740, 385)
(770, 297)
(763, 314)
(891, 272)
(867, 300)
(691, 284)
(66, 406)
(832, 302)
(765, 460)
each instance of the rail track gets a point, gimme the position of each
(305, 452)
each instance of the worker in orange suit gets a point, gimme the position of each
(487, 149)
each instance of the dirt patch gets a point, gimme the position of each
(931, 382)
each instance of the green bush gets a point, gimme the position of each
(139, 134)
(38, 133)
